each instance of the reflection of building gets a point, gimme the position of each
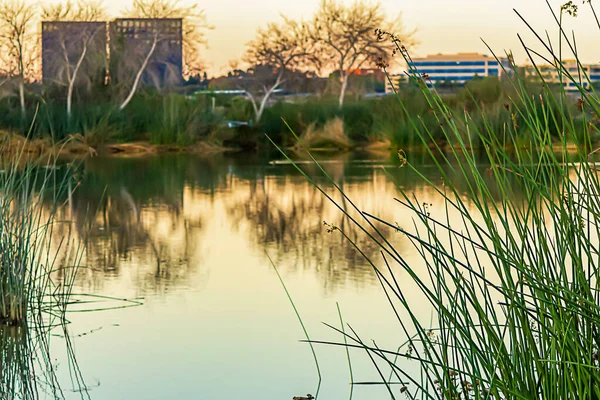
(456, 68)
(62, 41)
(582, 75)
(132, 39)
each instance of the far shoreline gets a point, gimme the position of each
(11, 145)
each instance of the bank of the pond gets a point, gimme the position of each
(12, 144)
(41, 149)
(173, 122)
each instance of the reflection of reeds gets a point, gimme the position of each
(16, 355)
(27, 369)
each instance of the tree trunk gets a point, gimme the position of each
(263, 103)
(72, 81)
(344, 87)
(253, 102)
(265, 98)
(261, 109)
(22, 96)
(139, 75)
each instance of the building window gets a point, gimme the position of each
(453, 70)
(452, 78)
(448, 63)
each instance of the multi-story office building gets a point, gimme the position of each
(132, 39)
(64, 43)
(580, 75)
(455, 69)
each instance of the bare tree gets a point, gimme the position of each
(83, 10)
(140, 71)
(77, 39)
(277, 49)
(347, 40)
(194, 27)
(143, 51)
(17, 42)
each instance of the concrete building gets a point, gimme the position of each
(63, 44)
(454, 68)
(583, 75)
(132, 39)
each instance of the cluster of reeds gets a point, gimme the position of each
(509, 268)
(36, 270)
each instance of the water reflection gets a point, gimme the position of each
(150, 214)
(291, 219)
(28, 369)
(190, 235)
(146, 217)
(131, 213)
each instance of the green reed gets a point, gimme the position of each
(36, 272)
(510, 269)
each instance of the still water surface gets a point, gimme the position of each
(189, 237)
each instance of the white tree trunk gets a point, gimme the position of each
(72, 80)
(253, 102)
(139, 74)
(344, 87)
(258, 110)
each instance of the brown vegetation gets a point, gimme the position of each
(330, 137)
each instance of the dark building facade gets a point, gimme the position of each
(64, 44)
(132, 39)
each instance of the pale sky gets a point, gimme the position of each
(443, 26)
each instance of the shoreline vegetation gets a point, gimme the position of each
(379, 124)
(13, 144)
(33, 149)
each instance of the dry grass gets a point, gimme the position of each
(14, 143)
(332, 137)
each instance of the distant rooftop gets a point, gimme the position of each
(148, 19)
(81, 23)
(453, 57)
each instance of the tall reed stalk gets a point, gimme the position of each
(509, 269)
(30, 193)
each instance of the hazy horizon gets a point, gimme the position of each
(441, 28)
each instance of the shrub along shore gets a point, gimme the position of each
(157, 122)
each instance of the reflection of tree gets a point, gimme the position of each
(289, 215)
(156, 241)
(282, 211)
(135, 226)
(143, 218)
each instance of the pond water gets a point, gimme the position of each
(189, 238)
